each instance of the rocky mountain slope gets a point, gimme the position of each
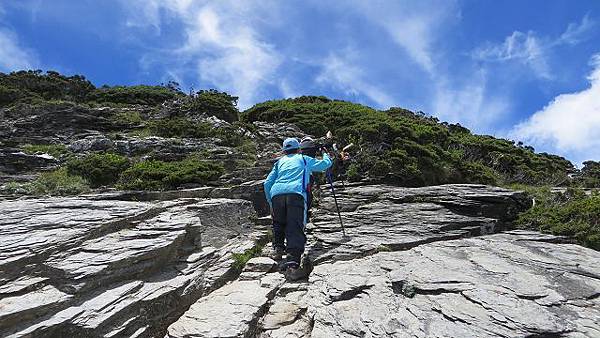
(416, 262)
(139, 212)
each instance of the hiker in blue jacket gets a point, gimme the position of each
(285, 190)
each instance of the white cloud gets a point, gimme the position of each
(531, 50)
(568, 124)
(13, 56)
(525, 48)
(342, 74)
(469, 102)
(415, 26)
(575, 32)
(221, 42)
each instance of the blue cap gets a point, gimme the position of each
(290, 143)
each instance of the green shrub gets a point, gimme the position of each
(8, 95)
(380, 169)
(184, 128)
(180, 127)
(214, 103)
(58, 182)
(35, 85)
(589, 176)
(55, 150)
(418, 149)
(99, 169)
(353, 173)
(142, 94)
(159, 175)
(571, 213)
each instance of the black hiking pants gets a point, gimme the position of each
(288, 225)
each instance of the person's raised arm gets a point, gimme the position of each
(321, 165)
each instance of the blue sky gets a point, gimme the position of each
(526, 70)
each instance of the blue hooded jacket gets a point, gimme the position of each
(291, 174)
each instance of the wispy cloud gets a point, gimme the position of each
(570, 123)
(522, 47)
(531, 50)
(576, 32)
(412, 25)
(14, 56)
(343, 74)
(470, 102)
(221, 44)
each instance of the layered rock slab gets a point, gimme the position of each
(231, 311)
(91, 268)
(386, 218)
(502, 285)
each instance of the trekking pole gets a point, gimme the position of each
(329, 175)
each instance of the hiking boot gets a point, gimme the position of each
(277, 254)
(293, 271)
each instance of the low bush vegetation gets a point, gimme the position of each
(35, 85)
(54, 150)
(55, 183)
(571, 213)
(215, 103)
(159, 175)
(410, 149)
(589, 176)
(128, 118)
(100, 169)
(179, 127)
(145, 95)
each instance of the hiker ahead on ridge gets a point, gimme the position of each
(286, 192)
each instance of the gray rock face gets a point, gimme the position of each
(513, 284)
(231, 311)
(384, 218)
(91, 268)
(14, 161)
(422, 262)
(408, 269)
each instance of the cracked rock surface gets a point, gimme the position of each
(95, 268)
(416, 262)
(507, 285)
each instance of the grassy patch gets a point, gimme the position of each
(383, 248)
(54, 150)
(240, 259)
(159, 175)
(132, 118)
(179, 127)
(571, 213)
(58, 182)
